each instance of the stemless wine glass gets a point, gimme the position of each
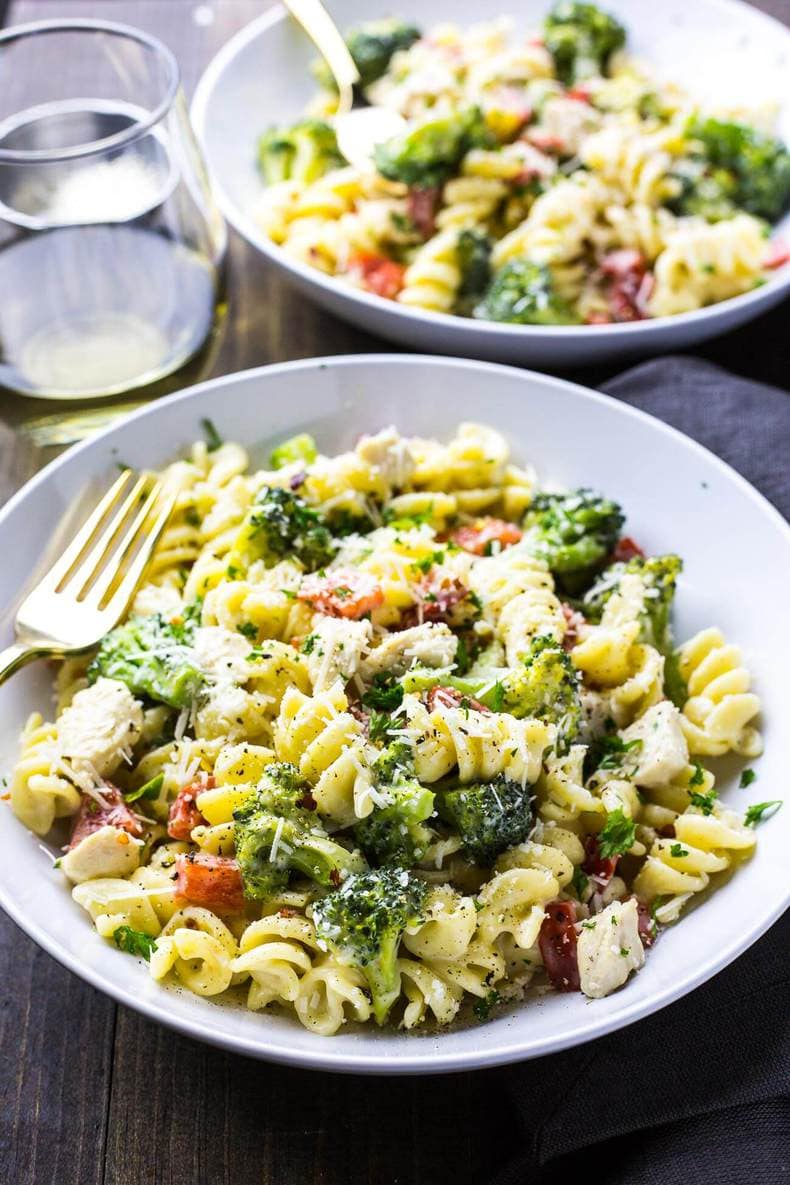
(111, 248)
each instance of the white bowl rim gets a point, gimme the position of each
(621, 331)
(326, 1056)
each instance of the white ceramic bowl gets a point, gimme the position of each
(678, 497)
(719, 48)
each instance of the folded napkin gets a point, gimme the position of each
(699, 1092)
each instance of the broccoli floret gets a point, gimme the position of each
(152, 656)
(546, 687)
(396, 833)
(474, 260)
(426, 155)
(395, 763)
(281, 525)
(573, 533)
(705, 192)
(581, 38)
(276, 833)
(522, 293)
(372, 47)
(303, 152)
(734, 165)
(488, 816)
(659, 574)
(363, 923)
(295, 448)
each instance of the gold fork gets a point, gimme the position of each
(89, 588)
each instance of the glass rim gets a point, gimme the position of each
(126, 135)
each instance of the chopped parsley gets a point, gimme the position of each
(755, 814)
(617, 835)
(308, 645)
(703, 801)
(698, 777)
(249, 629)
(615, 750)
(482, 1008)
(747, 777)
(580, 882)
(148, 790)
(134, 942)
(677, 850)
(213, 438)
(379, 724)
(385, 693)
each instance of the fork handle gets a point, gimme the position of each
(14, 657)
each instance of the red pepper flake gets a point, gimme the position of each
(334, 877)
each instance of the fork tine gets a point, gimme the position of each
(78, 581)
(120, 599)
(95, 594)
(81, 540)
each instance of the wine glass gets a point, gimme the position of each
(111, 247)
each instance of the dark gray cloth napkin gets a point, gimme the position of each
(698, 1093)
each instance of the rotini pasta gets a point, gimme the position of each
(399, 747)
(530, 187)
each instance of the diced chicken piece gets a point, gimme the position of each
(609, 949)
(338, 645)
(222, 654)
(110, 851)
(388, 452)
(100, 726)
(155, 599)
(432, 644)
(664, 752)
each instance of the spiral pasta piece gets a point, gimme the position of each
(40, 793)
(718, 713)
(198, 949)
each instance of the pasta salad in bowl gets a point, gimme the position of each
(396, 736)
(549, 186)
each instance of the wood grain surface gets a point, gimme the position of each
(92, 1093)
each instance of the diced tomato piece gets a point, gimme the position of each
(557, 941)
(211, 881)
(600, 869)
(645, 923)
(778, 253)
(92, 815)
(450, 697)
(626, 549)
(377, 274)
(422, 205)
(342, 592)
(580, 93)
(184, 814)
(598, 319)
(575, 620)
(480, 536)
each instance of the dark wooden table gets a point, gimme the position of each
(93, 1094)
